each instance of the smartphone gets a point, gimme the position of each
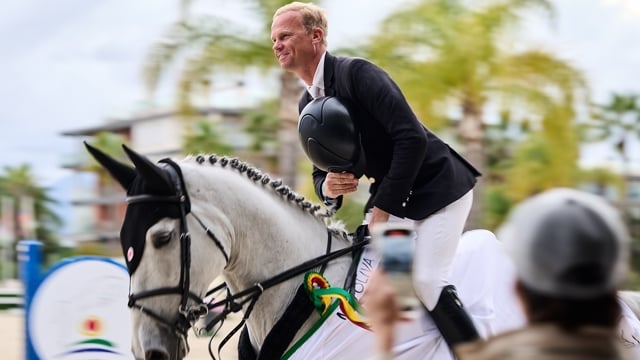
(395, 243)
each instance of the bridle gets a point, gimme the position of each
(188, 315)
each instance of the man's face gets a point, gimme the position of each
(292, 45)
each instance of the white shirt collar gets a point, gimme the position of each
(316, 89)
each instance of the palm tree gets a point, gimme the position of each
(18, 183)
(524, 161)
(204, 138)
(208, 44)
(446, 54)
(262, 124)
(619, 121)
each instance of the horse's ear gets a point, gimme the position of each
(154, 176)
(122, 173)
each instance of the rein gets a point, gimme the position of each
(256, 290)
(232, 303)
(252, 294)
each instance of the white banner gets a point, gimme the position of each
(80, 312)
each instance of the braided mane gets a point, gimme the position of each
(261, 178)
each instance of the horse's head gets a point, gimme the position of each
(245, 226)
(165, 290)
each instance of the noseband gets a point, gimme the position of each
(186, 314)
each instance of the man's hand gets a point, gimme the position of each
(382, 309)
(336, 184)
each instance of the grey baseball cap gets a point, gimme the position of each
(567, 243)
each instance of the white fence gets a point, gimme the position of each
(11, 298)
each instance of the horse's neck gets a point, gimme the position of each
(265, 235)
(271, 252)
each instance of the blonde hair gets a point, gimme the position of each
(313, 16)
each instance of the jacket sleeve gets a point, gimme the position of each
(319, 175)
(318, 181)
(379, 95)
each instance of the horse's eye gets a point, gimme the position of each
(162, 238)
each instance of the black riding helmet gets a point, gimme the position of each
(330, 137)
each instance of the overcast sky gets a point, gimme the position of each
(70, 64)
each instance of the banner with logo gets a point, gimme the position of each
(80, 312)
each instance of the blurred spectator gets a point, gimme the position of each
(383, 311)
(571, 252)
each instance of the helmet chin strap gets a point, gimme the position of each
(339, 169)
(345, 169)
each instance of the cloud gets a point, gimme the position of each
(71, 64)
(593, 37)
(630, 9)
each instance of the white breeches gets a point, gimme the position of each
(437, 238)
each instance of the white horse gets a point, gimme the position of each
(187, 224)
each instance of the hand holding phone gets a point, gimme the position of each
(395, 243)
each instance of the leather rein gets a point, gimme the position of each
(189, 314)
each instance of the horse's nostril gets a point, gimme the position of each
(156, 355)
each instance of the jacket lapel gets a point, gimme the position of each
(329, 80)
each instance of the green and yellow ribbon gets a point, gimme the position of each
(322, 295)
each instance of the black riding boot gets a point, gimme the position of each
(452, 319)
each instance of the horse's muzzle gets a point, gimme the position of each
(156, 355)
(163, 354)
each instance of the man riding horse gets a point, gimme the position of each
(414, 175)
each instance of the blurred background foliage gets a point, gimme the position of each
(518, 113)
(27, 208)
(457, 62)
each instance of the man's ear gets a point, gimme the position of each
(317, 35)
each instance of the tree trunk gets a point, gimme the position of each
(472, 134)
(289, 149)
